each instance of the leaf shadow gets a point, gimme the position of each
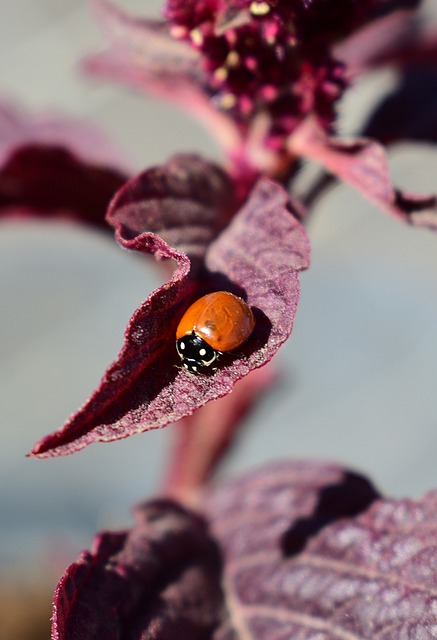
(346, 499)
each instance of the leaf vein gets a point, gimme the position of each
(265, 558)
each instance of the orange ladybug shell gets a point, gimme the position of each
(223, 320)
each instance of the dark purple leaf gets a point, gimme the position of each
(310, 553)
(258, 256)
(362, 163)
(304, 550)
(186, 202)
(44, 181)
(160, 580)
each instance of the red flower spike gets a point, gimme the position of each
(362, 163)
(254, 71)
(301, 549)
(268, 60)
(263, 74)
(259, 255)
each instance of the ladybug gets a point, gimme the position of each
(214, 324)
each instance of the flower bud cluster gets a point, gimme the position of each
(269, 61)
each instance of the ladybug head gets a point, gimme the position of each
(195, 353)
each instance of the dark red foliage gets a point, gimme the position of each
(362, 163)
(161, 579)
(186, 202)
(46, 181)
(309, 551)
(301, 550)
(257, 256)
(295, 550)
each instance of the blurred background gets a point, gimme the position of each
(358, 381)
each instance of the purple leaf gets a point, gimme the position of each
(301, 550)
(362, 163)
(161, 579)
(44, 181)
(308, 553)
(186, 202)
(258, 256)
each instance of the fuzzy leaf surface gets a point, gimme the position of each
(310, 552)
(50, 182)
(257, 256)
(160, 579)
(362, 163)
(298, 550)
